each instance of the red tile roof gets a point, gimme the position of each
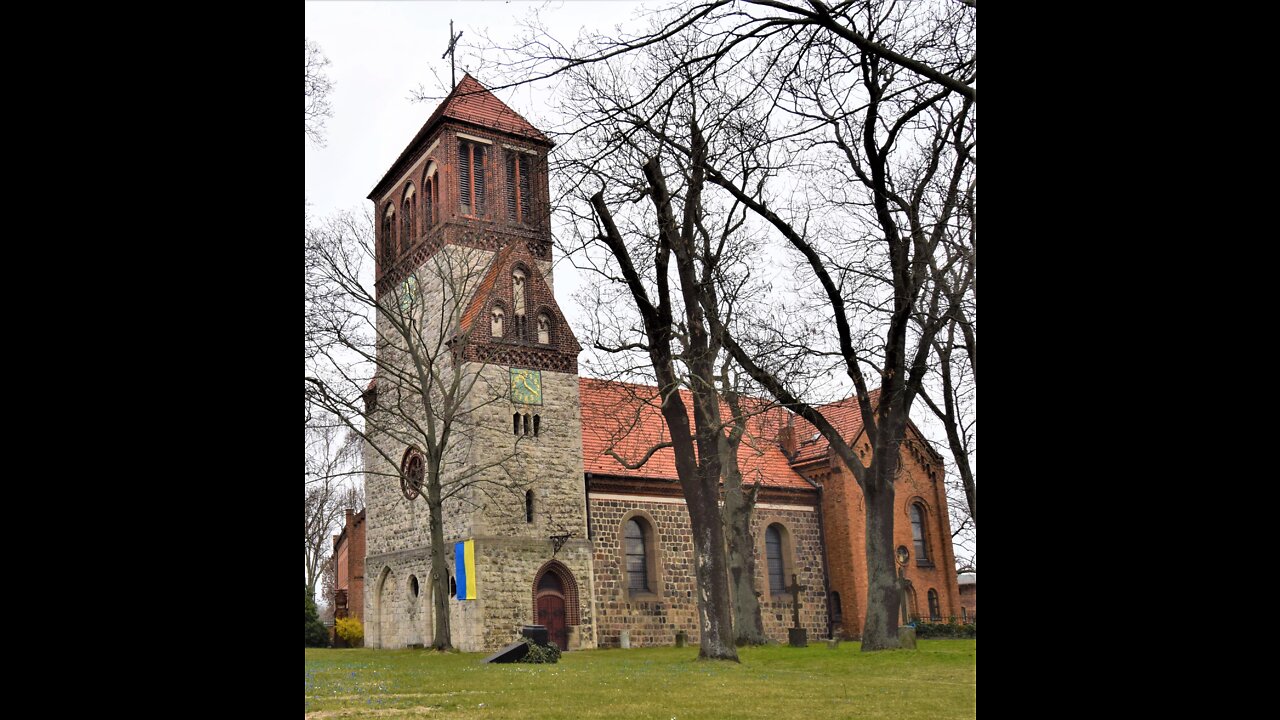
(844, 415)
(469, 102)
(627, 418)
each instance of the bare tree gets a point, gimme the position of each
(317, 88)
(699, 471)
(390, 365)
(331, 456)
(848, 130)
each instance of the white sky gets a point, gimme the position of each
(380, 52)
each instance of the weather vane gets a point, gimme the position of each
(453, 43)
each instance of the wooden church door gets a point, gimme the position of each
(551, 609)
(551, 615)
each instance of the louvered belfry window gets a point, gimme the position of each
(518, 186)
(471, 177)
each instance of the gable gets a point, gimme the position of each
(512, 348)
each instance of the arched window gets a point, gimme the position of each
(453, 587)
(495, 325)
(518, 301)
(430, 196)
(526, 423)
(935, 612)
(544, 329)
(413, 585)
(537, 422)
(407, 227)
(551, 582)
(773, 552)
(918, 535)
(388, 233)
(515, 423)
(637, 562)
(528, 506)
(837, 612)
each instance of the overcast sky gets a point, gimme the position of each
(381, 52)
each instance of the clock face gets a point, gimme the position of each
(526, 386)
(408, 292)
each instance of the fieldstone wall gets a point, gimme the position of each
(654, 618)
(505, 585)
(394, 523)
(500, 468)
(394, 616)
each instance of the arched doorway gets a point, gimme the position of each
(555, 602)
(381, 630)
(551, 609)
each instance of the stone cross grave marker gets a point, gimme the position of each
(796, 636)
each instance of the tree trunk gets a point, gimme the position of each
(880, 631)
(714, 602)
(440, 638)
(748, 628)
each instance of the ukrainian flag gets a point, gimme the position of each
(464, 562)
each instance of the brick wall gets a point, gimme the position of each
(919, 482)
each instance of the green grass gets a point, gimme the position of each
(937, 681)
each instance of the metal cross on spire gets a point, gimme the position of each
(453, 43)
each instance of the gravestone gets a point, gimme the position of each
(907, 637)
(796, 636)
(509, 654)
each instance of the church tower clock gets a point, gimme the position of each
(463, 265)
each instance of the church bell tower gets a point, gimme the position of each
(463, 248)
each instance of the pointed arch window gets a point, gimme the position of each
(837, 612)
(773, 554)
(935, 610)
(430, 195)
(544, 329)
(495, 323)
(528, 506)
(637, 560)
(919, 536)
(407, 227)
(388, 233)
(519, 291)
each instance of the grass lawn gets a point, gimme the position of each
(937, 681)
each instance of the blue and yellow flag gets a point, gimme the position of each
(464, 562)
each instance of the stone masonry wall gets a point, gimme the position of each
(491, 510)
(653, 619)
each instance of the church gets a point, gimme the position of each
(544, 520)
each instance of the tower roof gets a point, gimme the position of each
(470, 103)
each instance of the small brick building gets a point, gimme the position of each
(348, 558)
(590, 548)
